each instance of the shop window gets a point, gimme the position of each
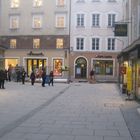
(103, 67)
(57, 66)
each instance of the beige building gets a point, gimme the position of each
(37, 33)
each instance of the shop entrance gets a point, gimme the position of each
(81, 68)
(36, 65)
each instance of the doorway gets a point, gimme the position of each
(81, 68)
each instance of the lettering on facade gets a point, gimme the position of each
(101, 56)
(35, 54)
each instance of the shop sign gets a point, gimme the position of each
(120, 30)
(34, 54)
(129, 79)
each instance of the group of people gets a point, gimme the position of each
(44, 76)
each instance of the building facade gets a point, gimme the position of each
(129, 58)
(37, 33)
(92, 41)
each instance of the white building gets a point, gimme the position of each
(92, 41)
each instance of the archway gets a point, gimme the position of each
(81, 68)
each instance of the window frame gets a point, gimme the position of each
(58, 22)
(33, 21)
(13, 4)
(37, 5)
(13, 43)
(111, 44)
(59, 43)
(80, 20)
(95, 44)
(36, 46)
(80, 43)
(12, 24)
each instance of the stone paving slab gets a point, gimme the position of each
(66, 112)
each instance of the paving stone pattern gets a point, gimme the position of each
(77, 111)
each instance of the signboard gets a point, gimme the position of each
(120, 30)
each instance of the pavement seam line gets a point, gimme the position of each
(9, 127)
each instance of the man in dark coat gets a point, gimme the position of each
(51, 78)
(23, 75)
(2, 78)
(43, 77)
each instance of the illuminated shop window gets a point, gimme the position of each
(103, 67)
(13, 43)
(59, 43)
(36, 43)
(57, 66)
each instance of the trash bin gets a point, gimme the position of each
(124, 88)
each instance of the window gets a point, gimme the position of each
(14, 3)
(95, 19)
(14, 22)
(59, 43)
(80, 20)
(111, 44)
(37, 3)
(37, 21)
(36, 43)
(13, 43)
(57, 66)
(95, 43)
(61, 2)
(80, 43)
(60, 21)
(111, 20)
(103, 67)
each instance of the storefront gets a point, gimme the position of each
(129, 65)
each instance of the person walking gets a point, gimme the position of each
(32, 77)
(43, 77)
(23, 75)
(9, 73)
(51, 76)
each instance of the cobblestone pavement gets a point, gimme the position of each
(77, 111)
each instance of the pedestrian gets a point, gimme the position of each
(92, 74)
(51, 76)
(32, 77)
(23, 75)
(2, 79)
(9, 73)
(43, 77)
